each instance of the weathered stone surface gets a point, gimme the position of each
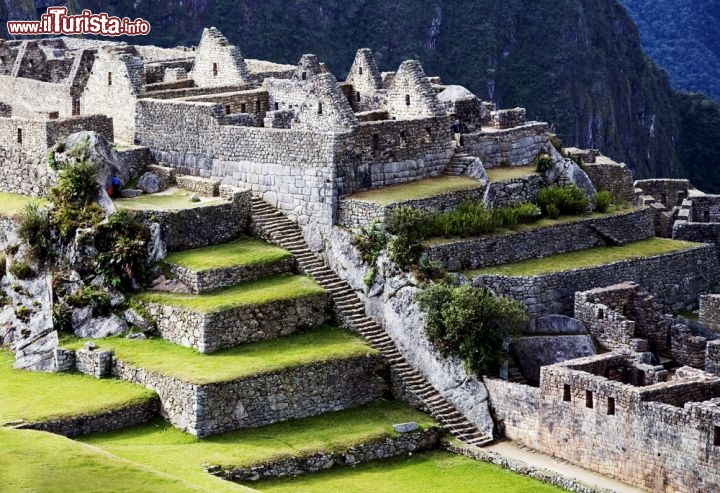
(532, 353)
(150, 183)
(86, 326)
(555, 325)
(406, 427)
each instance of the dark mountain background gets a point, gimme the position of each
(577, 63)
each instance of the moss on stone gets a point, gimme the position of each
(249, 251)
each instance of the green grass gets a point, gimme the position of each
(420, 189)
(506, 173)
(174, 199)
(321, 344)
(587, 258)
(165, 448)
(12, 204)
(37, 396)
(34, 461)
(266, 290)
(250, 251)
(439, 472)
(540, 224)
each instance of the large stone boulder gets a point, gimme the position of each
(567, 172)
(151, 183)
(532, 353)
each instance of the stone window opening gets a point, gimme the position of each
(257, 106)
(588, 399)
(601, 314)
(428, 135)
(358, 96)
(19, 135)
(375, 142)
(215, 69)
(360, 70)
(403, 138)
(566, 393)
(227, 109)
(706, 216)
(304, 76)
(75, 107)
(109, 78)
(716, 436)
(243, 108)
(407, 100)
(611, 406)
(277, 106)
(320, 109)
(663, 198)
(681, 197)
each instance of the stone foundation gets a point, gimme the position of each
(263, 399)
(517, 146)
(209, 332)
(475, 253)
(513, 192)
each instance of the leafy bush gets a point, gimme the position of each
(472, 323)
(527, 213)
(603, 199)
(62, 317)
(74, 199)
(568, 199)
(371, 242)
(409, 226)
(552, 211)
(22, 270)
(35, 230)
(94, 297)
(544, 163)
(123, 259)
(431, 270)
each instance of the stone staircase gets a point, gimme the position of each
(459, 163)
(514, 373)
(271, 225)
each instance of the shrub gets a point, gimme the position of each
(472, 323)
(371, 242)
(123, 259)
(74, 198)
(94, 297)
(62, 317)
(22, 270)
(527, 213)
(544, 163)
(552, 211)
(409, 226)
(35, 230)
(431, 270)
(603, 199)
(569, 199)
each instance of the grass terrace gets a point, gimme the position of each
(169, 200)
(416, 190)
(591, 257)
(37, 396)
(266, 290)
(507, 173)
(324, 343)
(248, 251)
(545, 222)
(37, 461)
(439, 472)
(12, 204)
(163, 447)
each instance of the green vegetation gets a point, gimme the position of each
(699, 142)
(12, 204)
(123, 245)
(603, 200)
(325, 343)
(247, 251)
(415, 190)
(544, 163)
(35, 230)
(588, 258)
(37, 396)
(266, 290)
(476, 219)
(163, 447)
(507, 173)
(38, 461)
(370, 242)
(91, 296)
(21, 270)
(472, 323)
(439, 472)
(566, 200)
(407, 224)
(172, 199)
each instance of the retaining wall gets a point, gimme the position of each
(517, 146)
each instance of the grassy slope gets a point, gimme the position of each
(34, 396)
(34, 461)
(251, 251)
(421, 189)
(506, 173)
(439, 472)
(322, 344)
(163, 447)
(542, 223)
(12, 204)
(174, 200)
(269, 289)
(588, 258)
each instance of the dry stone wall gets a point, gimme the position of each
(675, 280)
(613, 177)
(514, 147)
(258, 400)
(209, 332)
(475, 253)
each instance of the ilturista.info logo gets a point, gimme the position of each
(57, 21)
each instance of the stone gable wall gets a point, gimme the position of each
(33, 98)
(217, 62)
(411, 95)
(475, 253)
(675, 280)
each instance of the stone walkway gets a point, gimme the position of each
(536, 459)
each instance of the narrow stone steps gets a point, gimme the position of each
(274, 226)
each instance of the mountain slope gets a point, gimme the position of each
(681, 36)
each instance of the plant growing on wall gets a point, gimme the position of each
(35, 230)
(122, 242)
(472, 323)
(74, 199)
(370, 242)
